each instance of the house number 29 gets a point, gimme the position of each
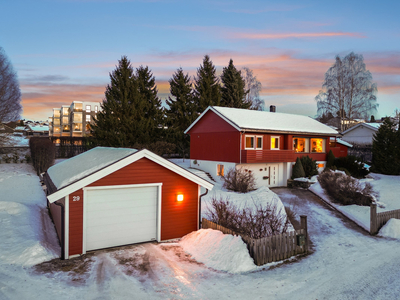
(76, 198)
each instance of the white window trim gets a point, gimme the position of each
(279, 142)
(87, 118)
(86, 108)
(255, 145)
(254, 142)
(323, 144)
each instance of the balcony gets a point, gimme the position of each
(264, 156)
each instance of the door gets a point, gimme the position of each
(120, 216)
(273, 175)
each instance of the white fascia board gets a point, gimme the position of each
(217, 113)
(122, 163)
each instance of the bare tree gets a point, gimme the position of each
(253, 86)
(10, 94)
(348, 91)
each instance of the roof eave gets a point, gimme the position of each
(290, 132)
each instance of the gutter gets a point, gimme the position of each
(62, 242)
(200, 207)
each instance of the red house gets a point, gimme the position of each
(264, 143)
(108, 197)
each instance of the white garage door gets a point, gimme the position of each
(120, 216)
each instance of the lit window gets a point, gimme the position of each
(249, 142)
(87, 118)
(88, 108)
(318, 145)
(320, 166)
(300, 144)
(220, 170)
(96, 109)
(274, 143)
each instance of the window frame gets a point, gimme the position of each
(306, 144)
(255, 142)
(220, 170)
(279, 142)
(87, 119)
(86, 108)
(323, 145)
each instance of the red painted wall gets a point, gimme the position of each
(214, 139)
(75, 223)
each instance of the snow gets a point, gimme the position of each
(219, 251)
(391, 229)
(388, 189)
(38, 128)
(264, 120)
(10, 140)
(77, 167)
(340, 141)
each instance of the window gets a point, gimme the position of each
(220, 170)
(88, 108)
(275, 143)
(56, 121)
(77, 118)
(87, 118)
(57, 113)
(77, 107)
(317, 145)
(65, 120)
(65, 111)
(66, 128)
(96, 109)
(254, 142)
(77, 127)
(321, 166)
(300, 144)
(332, 142)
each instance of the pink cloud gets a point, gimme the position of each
(268, 36)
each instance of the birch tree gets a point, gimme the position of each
(348, 91)
(253, 86)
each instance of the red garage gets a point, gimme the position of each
(109, 197)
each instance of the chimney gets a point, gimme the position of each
(272, 108)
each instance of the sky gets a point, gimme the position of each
(64, 50)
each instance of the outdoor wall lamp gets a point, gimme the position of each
(179, 197)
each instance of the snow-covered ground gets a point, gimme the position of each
(10, 140)
(388, 189)
(346, 263)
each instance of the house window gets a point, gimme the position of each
(88, 108)
(96, 109)
(275, 143)
(318, 145)
(254, 142)
(87, 118)
(300, 144)
(332, 142)
(220, 170)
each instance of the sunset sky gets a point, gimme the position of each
(64, 50)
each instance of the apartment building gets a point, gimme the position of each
(73, 120)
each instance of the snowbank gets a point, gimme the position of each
(391, 229)
(219, 251)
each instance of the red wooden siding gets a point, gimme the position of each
(211, 122)
(177, 218)
(264, 156)
(75, 222)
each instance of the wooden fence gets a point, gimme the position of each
(377, 220)
(272, 248)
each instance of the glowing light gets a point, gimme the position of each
(179, 198)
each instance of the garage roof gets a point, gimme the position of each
(81, 170)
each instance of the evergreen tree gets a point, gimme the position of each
(385, 149)
(114, 123)
(298, 171)
(233, 93)
(207, 90)
(152, 116)
(331, 160)
(181, 111)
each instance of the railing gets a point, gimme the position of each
(272, 248)
(254, 156)
(377, 220)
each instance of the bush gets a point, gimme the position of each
(239, 180)
(43, 153)
(309, 166)
(298, 170)
(256, 222)
(345, 189)
(28, 158)
(353, 165)
(15, 158)
(330, 160)
(7, 159)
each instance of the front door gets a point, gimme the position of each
(273, 175)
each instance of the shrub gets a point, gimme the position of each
(309, 166)
(330, 160)
(256, 222)
(353, 165)
(7, 158)
(239, 180)
(345, 189)
(298, 170)
(28, 158)
(43, 153)
(15, 158)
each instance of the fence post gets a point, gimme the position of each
(303, 222)
(373, 222)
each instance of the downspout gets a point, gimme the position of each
(200, 207)
(62, 229)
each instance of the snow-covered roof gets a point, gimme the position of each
(340, 141)
(22, 128)
(372, 126)
(244, 119)
(83, 169)
(77, 167)
(38, 127)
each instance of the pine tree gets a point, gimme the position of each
(331, 160)
(298, 171)
(207, 89)
(385, 149)
(233, 93)
(115, 121)
(181, 111)
(152, 113)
